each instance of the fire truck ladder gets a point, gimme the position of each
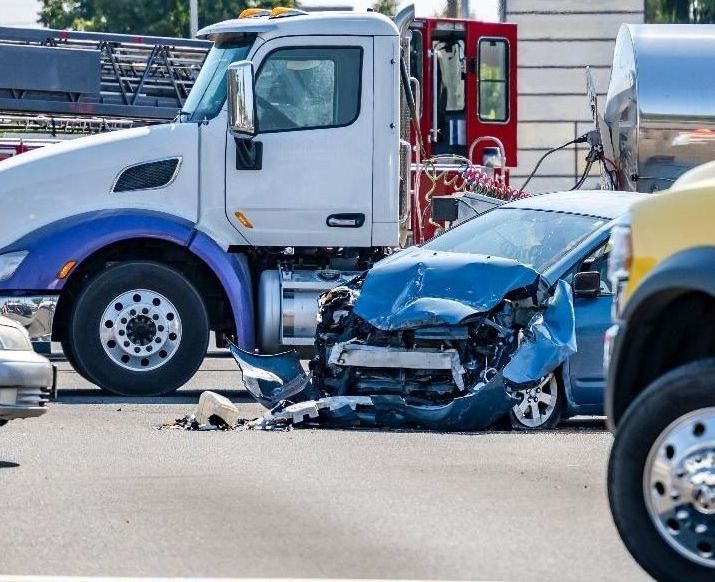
(64, 81)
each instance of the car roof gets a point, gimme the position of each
(608, 204)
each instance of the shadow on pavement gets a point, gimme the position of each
(581, 425)
(8, 465)
(97, 396)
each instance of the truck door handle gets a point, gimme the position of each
(346, 220)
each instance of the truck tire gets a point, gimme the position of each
(661, 475)
(69, 356)
(139, 329)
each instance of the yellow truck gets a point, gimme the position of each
(660, 398)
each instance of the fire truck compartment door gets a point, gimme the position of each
(314, 112)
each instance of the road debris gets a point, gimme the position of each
(217, 410)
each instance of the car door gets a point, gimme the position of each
(315, 128)
(593, 317)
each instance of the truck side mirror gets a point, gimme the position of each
(587, 284)
(241, 105)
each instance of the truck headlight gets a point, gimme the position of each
(9, 263)
(619, 261)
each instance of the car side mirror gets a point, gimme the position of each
(241, 104)
(587, 284)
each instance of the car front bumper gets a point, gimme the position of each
(28, 382)
(35, 313)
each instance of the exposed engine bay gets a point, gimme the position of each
(425, 339)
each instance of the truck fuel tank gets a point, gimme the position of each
(660, 107)
(287, 305)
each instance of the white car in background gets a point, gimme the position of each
(27, 379)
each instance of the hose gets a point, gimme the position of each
(581, 139)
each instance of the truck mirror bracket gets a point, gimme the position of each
(249, 154)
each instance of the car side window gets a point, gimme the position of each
(596, 261)
(309, 88)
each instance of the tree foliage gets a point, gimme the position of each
(680, 11)
(386, 7)
(147, 17)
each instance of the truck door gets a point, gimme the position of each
(314, 121)
(491, 88)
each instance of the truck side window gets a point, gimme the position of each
(493, 80)
(309, 88)
(416, 62)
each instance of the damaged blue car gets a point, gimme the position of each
(501, 317)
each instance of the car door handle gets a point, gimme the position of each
(346, 220)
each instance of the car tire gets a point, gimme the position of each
(138, 329)
(664, 415)
(551, 385)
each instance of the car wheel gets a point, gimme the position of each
(539, 407)
(661, 475)
(139, 329)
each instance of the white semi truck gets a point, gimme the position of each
(235, 217)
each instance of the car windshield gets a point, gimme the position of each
(209, 92)
(536, 238)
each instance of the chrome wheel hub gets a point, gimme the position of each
(537, 403)
(679, 485)
(140, 330)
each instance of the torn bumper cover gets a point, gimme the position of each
(425, 339)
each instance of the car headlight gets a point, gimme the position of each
(9, 263)
(619, 261)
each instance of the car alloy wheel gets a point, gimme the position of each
(538, 406)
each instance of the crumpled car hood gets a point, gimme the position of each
(427, 288)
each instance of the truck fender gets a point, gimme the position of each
(689, 270)
(78, 237)
(234, 273)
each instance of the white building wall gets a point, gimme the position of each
(557, 40)
(22, 13)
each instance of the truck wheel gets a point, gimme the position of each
(661, 475)
(540, 407)
(139, 329)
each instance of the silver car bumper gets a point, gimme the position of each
(27, 383)
(34, 313)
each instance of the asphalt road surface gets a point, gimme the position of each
(93, 488)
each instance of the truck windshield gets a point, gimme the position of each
(209, 92)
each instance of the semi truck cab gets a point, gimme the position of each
(283, 175)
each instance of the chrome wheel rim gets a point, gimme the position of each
(140, 330)
(679, 485)
(537, 404)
